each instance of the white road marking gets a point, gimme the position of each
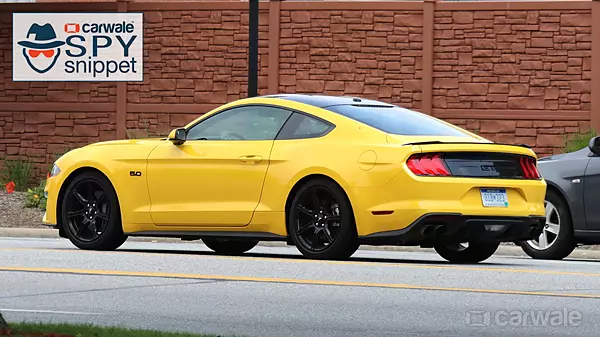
(50, 312)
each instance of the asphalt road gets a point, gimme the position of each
(273, 291)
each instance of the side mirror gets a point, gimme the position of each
(594, 145)
(178, 136)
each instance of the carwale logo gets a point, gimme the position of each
(524, 318)
(78, 47)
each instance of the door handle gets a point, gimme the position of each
(250, 159)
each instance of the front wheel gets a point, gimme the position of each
(229, 247)
(90, 213)
(467, 252)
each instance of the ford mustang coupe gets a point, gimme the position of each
(326, 174)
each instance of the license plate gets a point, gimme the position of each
(494, 197)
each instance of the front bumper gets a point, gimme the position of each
(47, 222)
(454, 227)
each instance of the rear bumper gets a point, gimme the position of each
(455, 227)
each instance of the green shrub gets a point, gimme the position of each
(578, 141)
(18, 171)
(35, 197)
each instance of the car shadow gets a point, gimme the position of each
(581, 260)
(567, 259)
(302, 258)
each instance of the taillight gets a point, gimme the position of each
(529, 167)
(428, 164)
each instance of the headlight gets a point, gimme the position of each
(55, 171)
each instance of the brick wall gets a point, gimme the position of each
(546, 137)
(155, 124)
(41, 136)
(197, 57)
(374, 54)
(486, 64)
(515, 60)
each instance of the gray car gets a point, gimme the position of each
(572, 203)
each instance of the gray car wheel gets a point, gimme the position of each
(551, 230)
(557, 240)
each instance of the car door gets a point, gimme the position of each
(215, 177)
(591, 193)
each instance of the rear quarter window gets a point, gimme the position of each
(397, 120)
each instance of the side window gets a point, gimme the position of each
(241, 123)
(302, 126)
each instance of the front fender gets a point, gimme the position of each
(56, 186)
(115, 162)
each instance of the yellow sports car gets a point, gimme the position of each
(323, 173)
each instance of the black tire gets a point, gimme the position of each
(564, 242)
(98, 201)
(336, 225)
(474, 253)
(229, 247)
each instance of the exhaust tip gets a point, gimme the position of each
(440, 230)
(427, 231)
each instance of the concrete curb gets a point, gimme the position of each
(586, 252)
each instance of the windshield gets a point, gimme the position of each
(397, 120)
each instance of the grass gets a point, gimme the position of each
(84, 330)
(17, 170)
(578, 141)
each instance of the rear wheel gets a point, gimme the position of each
(467, 252)
(557, 240)
(90, 213)
(229, 247)
(321, 221)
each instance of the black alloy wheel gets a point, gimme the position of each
(321, 221)
(90, 213)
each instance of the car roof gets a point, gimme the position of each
(322, 101)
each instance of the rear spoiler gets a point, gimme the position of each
(438, 142)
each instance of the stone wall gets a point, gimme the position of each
(197, 57)
(520, 76)
(546, 137)
(373, 54)
(515, 60)
(42, 135)
(538, 60)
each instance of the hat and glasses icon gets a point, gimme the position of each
(41, 41)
